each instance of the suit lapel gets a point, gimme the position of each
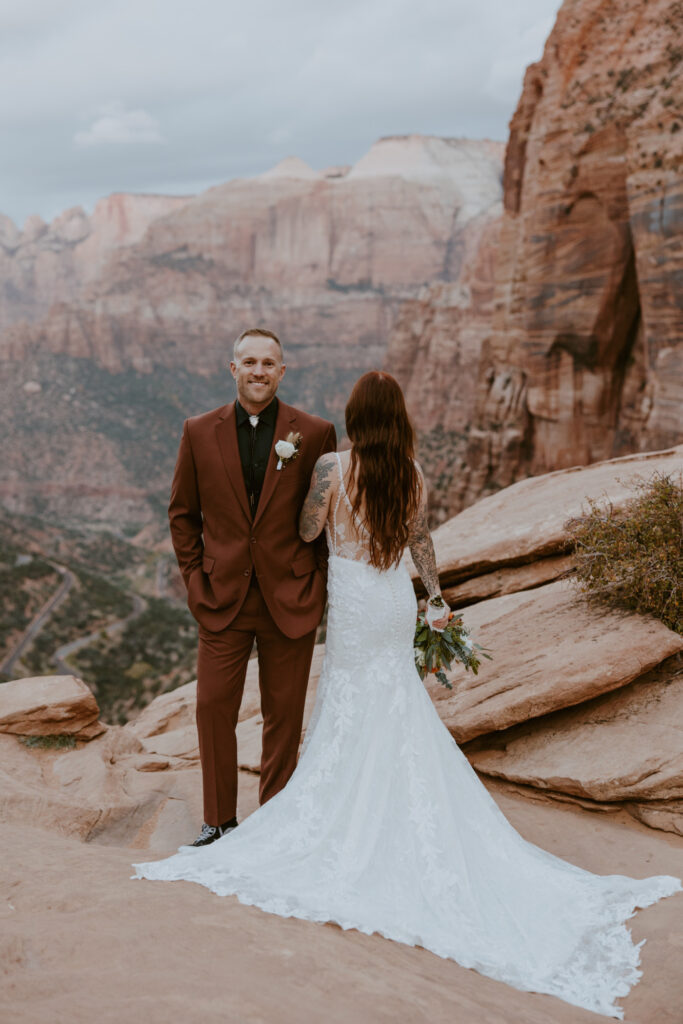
(286, 418)
(226, 435)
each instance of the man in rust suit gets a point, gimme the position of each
(234, 513)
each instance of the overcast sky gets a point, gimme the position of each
(170, 96)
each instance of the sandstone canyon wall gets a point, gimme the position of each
(325, 257)
(95, 390)
(585, 359)
(434, 351)
(529, 335)
(582, 358)
(47, 263)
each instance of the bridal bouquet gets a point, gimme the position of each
(435, 651)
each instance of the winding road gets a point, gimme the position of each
(63, 652)
(40, 618)
(43, 614)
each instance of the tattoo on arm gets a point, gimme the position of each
(314, 511)
(422, 550)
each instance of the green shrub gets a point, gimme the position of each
(156, 650)
(632, 557)
(60, 741)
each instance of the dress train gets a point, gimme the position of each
(385, 827)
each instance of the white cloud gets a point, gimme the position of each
(231, 88)
(279, 135)
(120, 127)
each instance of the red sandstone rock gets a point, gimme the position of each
(108, 947)
(48, 263)
(135, 784)
(525, 522)
(508, 580)
(48, 705)
(434, 352)
(108, 790)
(626, 746)
(585, 358)
(550, 650)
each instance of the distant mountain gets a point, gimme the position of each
(47, 263)
(147, 295)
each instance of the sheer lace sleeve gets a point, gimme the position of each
(421, 546)
(317, 503)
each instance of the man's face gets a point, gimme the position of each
(258, 369)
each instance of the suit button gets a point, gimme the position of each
(247, 572)
(253, 540)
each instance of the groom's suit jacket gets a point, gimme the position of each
(217, 544)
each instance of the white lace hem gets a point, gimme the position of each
(610, 945)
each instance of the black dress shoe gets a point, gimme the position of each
(210, 833)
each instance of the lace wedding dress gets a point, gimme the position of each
(385, 827)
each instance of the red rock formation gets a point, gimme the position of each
(47, 263)
(326, 258)
(624, 746)
(82, 943)
(583, 358)
(525, 524)
(434, 352)
(49, 706)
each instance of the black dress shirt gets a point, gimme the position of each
(255, 446)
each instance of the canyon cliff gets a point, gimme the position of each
(582, 357)
(47, 263)
(327, 257)
(138, 335)
(530, 309)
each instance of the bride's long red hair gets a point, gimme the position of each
(382, 463)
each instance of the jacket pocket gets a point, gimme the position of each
(208, 563)
(304, 564)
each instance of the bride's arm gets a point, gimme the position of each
(317, 503)
(422, 550)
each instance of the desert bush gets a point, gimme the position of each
(60, 741)
(632, 556)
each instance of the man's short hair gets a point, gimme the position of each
(261, 332)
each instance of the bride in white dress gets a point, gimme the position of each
(384, 826)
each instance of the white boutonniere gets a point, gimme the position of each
(288, 449)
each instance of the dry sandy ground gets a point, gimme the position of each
(82, 943)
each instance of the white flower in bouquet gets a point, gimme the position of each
(435, 650)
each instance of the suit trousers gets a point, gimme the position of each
(284, 667)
